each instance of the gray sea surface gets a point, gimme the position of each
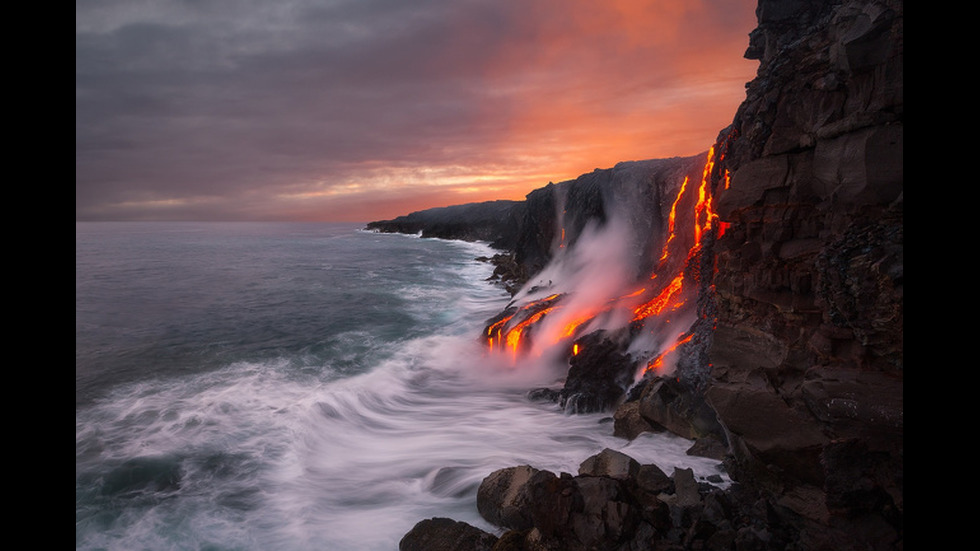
(299, 386)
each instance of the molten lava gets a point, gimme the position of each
(662, 301)
(657, 363)
(691, 219)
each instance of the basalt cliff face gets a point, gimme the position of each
(807, 354)
(785, 324)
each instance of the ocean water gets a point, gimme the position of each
(292, 386)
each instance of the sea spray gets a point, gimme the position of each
(396, 415)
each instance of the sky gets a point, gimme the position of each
(361, 110)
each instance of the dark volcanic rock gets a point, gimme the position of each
(610, 463)
(503, 498)
(670, 403)
(628, 423)
(443, 534)
(508, 272)
(580, 513)
(807, 357)
(598, 375)
(496, 222)
(616, 504)
(797, 358)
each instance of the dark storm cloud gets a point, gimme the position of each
(230, 108)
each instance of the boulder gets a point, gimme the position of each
(653, 480)
(503, 499)
(443, 534)
(581, 513)
(679, 408)
(610, 463)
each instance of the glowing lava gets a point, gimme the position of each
(661, 302)
(690, 221)
(657, 363)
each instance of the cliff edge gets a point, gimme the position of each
(792, 369)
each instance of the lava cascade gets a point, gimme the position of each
(651, 309)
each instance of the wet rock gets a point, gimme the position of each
(653, 480)
(544, 395)
(610, 463)
(599, 375)
(628, 423)
(709, 447)
(686, 488)
(581, 513)
(679, 408)
(503, 497)
(443, 534)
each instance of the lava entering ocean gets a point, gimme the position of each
(589, 287)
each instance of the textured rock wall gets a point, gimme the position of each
(799, 354)
(807, 357)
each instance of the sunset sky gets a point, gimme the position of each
(359, 110)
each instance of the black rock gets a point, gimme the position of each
(443, 534)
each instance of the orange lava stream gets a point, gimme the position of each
(514, 335)
(658, 362)
(661, 301)
(668, 299)
(671, 220)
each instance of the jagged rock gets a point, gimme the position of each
(652, 479)
(768, 429)
(856, 403)
(708, 447)
(671, 404)
(628, 423)
(807, 354)
(685, 488)
(544, 394)
(580, 513)
(598, 376)
(610, 463)
(633, 190)
(553, 498)
(512, 540)
(503, 499)
(642, 509)
(443, 534)
(508, 272)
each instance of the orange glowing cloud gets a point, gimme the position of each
(347, 117)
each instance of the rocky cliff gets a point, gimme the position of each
(791, 362)
(807, 355)
(496, 222)
(804, 357)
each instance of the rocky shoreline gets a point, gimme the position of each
(793, 371)
(612, 503)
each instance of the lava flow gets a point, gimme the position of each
(557, 320)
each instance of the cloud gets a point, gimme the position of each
(233, 109)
